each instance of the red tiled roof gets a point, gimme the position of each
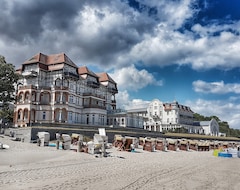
(105, 77)
(38, 58)
(50, 59)
(84, 70)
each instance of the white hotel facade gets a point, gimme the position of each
(167, 116)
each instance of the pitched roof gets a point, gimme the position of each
(105, 77)
(84, 70)
(50, 59)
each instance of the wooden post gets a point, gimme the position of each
(103, 150)
(57, 144)
(79, 146)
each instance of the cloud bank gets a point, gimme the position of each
(116, 33)
(216, 87)
(120, 36)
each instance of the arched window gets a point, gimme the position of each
(19, 114)
(58, 82)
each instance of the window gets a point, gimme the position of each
(122, 121)
(19, 114)
(76, 117)
(58, 82)
(71, 99)
(87, 119)
(93, 119)
(70, 116)
(44, 115)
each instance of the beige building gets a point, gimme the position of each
(54, 90)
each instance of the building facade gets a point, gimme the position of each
(54, 90)
(127, 118)
(207, 127)
(167, 116)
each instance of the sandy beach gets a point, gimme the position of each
(27, 166)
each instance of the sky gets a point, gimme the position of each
(172, 50)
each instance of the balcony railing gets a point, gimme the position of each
(113, 90)
(71, 75)
(61, 102)
(60, 88)
(25, 87)
(93, 95)
(93, 84)
(44, 87)
(95, 106)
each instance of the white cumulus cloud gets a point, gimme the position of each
(216, 87)
(228, 110)
(130, 78)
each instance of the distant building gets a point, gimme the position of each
(126, 118)
(167, 116)
(54, 90)
(207, 127)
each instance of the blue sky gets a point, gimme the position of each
(183, 50)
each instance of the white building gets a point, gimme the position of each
(207, 127)
(127, 118)
(55, 90)
(167, 116)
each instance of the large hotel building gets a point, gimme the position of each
(54, 90)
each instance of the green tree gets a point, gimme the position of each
(8, 81)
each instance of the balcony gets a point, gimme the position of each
(71, 75)
(94, 106)
(27, 87)
(60, 88)
(44, 87)
(93, 84)
(93, 95)
(29, 74)
(61, 102)
(113, 90)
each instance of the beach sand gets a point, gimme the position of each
(27, 166)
